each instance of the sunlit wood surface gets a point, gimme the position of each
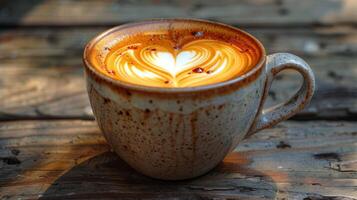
(51, 148)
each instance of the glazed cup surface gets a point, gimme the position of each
(180, 133)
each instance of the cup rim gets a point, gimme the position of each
(128, 85)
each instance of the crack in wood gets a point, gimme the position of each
(327, 156)
(10, 160)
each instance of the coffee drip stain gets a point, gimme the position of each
(183, 141)
(194, 137)
(147, 114)
(173, 136)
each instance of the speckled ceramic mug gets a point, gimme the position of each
(180, 133)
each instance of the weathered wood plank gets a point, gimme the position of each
(256, 12)
(45, 88)
(46, 65)
(37, 42)
(68, 159)
(54, 88)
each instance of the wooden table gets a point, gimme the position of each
(51, 148)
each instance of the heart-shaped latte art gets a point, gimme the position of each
(170, 63)
(199, 62)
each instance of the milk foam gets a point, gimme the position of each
(171, 63)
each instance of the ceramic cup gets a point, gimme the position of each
(180, 133)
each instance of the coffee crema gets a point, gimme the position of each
(183, 58)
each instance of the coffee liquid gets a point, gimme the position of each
(179, 57)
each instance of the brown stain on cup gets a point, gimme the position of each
(194, 131)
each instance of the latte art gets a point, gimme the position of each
(175, 55)
(199, 62)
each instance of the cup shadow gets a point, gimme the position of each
(106, 176)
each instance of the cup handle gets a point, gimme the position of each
(273, 115)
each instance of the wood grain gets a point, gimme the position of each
(314, 41)
(42, 71)
(47, 89)
(47, 67)
(69, 159)
(111, 12)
